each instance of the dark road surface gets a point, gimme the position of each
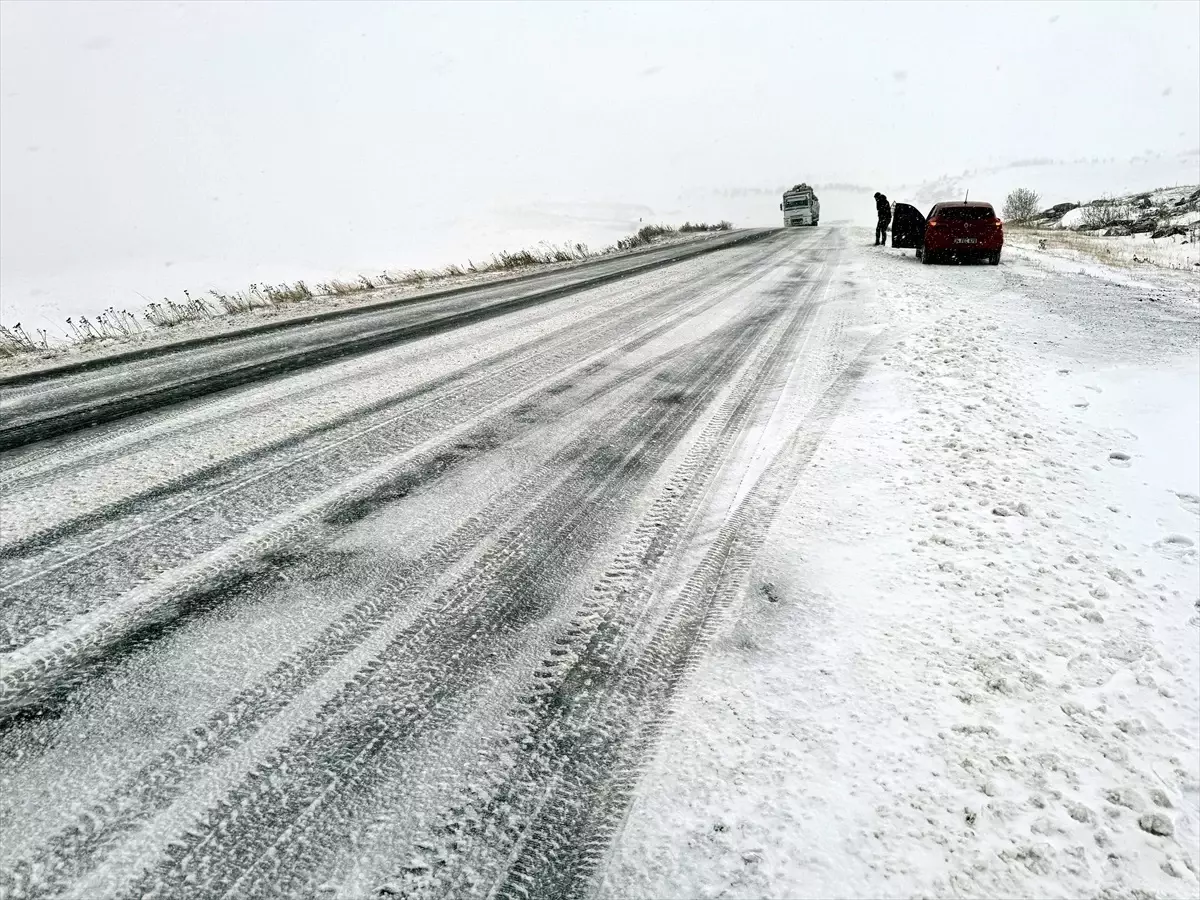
(405, 622)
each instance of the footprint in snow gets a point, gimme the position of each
(1176, 546)
(1119, 459)
(1082, 404)
(770, 592)
(1190, 502)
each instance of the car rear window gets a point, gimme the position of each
(966, 213)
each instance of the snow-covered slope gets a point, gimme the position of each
(1151, 212)
(1156, 227)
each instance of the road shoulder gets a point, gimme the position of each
(966, 661)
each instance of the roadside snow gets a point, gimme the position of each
(967, 663)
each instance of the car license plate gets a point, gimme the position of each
(965, 241)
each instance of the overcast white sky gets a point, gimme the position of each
(145, 143)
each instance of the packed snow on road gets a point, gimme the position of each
(965, 662)
(796, 568)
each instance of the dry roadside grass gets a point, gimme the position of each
(115, 328)
(1135, 251)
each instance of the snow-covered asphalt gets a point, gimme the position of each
(403, 620)
(792, 569)
(42, 403)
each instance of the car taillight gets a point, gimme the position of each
(931, 223)
(997, 223)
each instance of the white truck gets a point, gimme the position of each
(800, 206)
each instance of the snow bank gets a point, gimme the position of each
(1072, 218)
(967, 662)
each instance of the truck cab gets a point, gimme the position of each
(800, 206)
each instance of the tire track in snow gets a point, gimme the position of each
(90, 451)
(329, 811)
(579, 774)
(48, 597)
(443, 654)
(527, 768)
(81, 846)
(648, 301)
(278, 829)
(45, 662)
(64, 414)
(583, 801)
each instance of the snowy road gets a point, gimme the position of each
(793, 569)
(406, 622)
(115, 383)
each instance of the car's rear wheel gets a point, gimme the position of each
(927, 257)
(994, 259)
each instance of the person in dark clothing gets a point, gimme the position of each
(884, 210)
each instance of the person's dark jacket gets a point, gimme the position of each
(883, 207)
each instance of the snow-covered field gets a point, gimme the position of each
(1133, 251)
(1068, 238)
(966, 662)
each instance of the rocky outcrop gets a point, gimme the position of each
(1168, 231)
(1058, 210)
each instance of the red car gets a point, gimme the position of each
(951, 230)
